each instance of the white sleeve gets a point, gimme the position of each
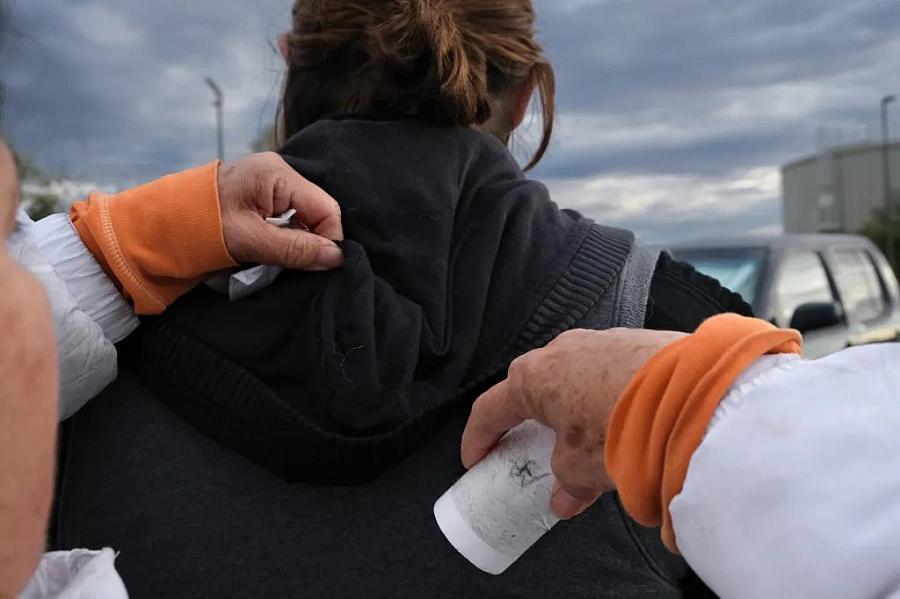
(90, 287)
(795, 491)
(89, 314)
(75, 574)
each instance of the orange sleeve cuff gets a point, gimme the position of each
(662, 416)
(159, 240)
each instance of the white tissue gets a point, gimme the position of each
(283, 220)
(246, 282)
(78, 574)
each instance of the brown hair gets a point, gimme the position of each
(447, 61)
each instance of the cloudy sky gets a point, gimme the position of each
(675, 114)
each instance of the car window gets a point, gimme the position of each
(859, 285)
(801, 280)
(736, 269)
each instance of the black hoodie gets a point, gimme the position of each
(454, 265)
(353, 387)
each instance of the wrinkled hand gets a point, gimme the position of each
(261, 186)
(28, 418)
(572, 386)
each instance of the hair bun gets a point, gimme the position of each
(417, 34)
(447, 61)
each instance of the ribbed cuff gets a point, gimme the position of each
(93, 291)
(662, 417)
(158, 240)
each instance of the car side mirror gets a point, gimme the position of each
(815, 316)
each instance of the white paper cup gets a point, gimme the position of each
(501, 507)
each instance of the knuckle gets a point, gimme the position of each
(566, 336)
(526, 377)
(277, 184)
(521, 369)
(581, 473)
(476, 415)
(261, 160)
(318, 197)
(573, 337)
(270, 174)
(569, 334)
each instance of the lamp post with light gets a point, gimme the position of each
(219, 104)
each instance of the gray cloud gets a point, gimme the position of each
(700, 90)
(114, 90)
(630, 55)
(751, 81)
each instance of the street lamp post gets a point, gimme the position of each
(219, 104)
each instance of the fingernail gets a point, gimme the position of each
(330, 256)
(565, 506)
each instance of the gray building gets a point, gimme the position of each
(838, 189)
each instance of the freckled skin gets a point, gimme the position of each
(572, 386)
(575, 436)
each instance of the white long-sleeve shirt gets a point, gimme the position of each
(89, 316)
(89, 313)
(795, 490)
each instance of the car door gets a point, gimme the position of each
(802, 279)
(863, 293)
(892, 290)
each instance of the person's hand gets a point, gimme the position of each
(572, 386)
(261, 186)
(28, 419)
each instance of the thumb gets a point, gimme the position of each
(565, 505)
(294, 249)
(493, 414)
